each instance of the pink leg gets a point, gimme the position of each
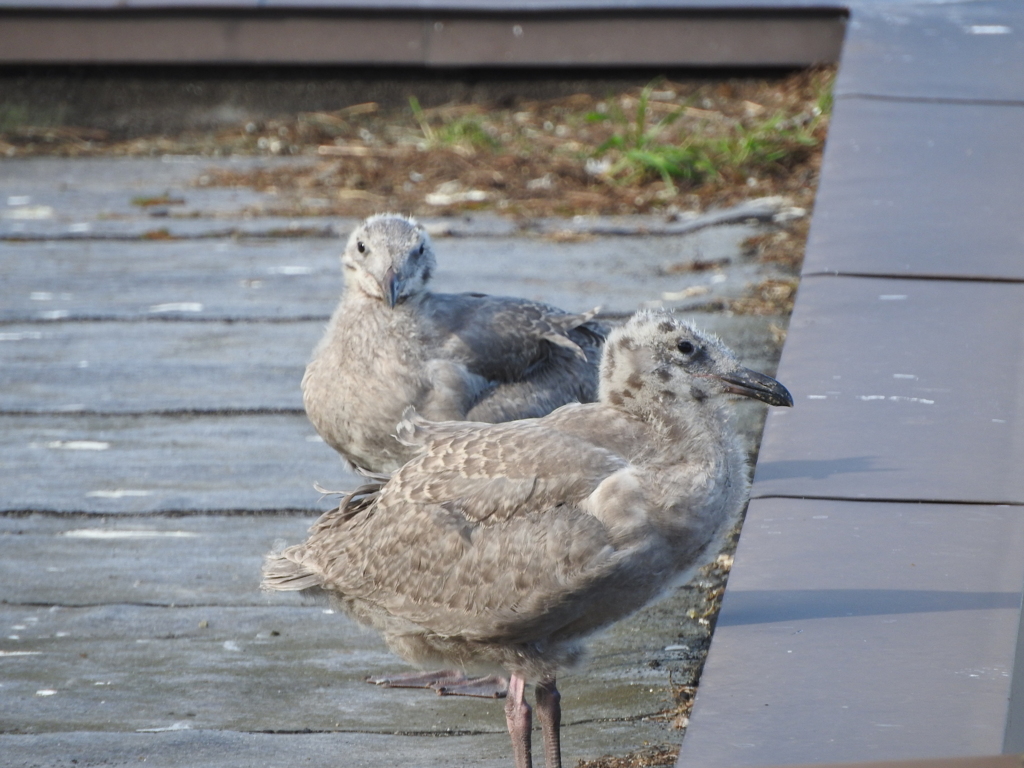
(517, 715)
(549, 712)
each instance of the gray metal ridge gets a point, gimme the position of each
(430, 6)
(476, 6)
(939, 53)
(753, 33)
(983, 761)
(845, 623)
(882, 411)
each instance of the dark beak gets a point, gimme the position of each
(390, 286)
(748, 383)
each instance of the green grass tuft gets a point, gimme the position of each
(467, 131)
(644, 150)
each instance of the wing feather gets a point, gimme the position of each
(485, 535)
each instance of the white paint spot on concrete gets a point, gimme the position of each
(54, 314)
(105, 533)
(80, 226)
(901, 399)
(817, 397)
(290, 269)
(988, 29)
(175, 727)
(177, 306)
(231, 645)
(871, 397)
(78, 445)
(29, 212)
(328, 610)
(892, 297)
(998, 421)
(904, 376)
(45, 692)
(41, 296)
(314, 439)
(19, 626)
(61, 634)
(117, 493)
(19, 653)
(14, 200)
(21, 336)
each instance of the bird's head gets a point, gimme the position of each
(657, 359)
(388, 257)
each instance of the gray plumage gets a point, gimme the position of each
(392, 343)
(506, 545)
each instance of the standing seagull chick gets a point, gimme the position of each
(504, 546)
(391, 344)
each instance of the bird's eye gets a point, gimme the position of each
(686, 347)
(422, 246)
(360, 246)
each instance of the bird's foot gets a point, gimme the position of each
(446, 682)
(490, 687)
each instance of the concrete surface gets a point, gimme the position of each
(154, 448)
(874, 609)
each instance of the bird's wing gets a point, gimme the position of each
(486, 535)
(504, 338)
(501, 470)
(533, 357)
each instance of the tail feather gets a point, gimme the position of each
(282, 574)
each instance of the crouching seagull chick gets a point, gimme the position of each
(503, 546)
(391, 344)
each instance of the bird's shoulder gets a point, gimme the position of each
(495, 471)
(472, 316)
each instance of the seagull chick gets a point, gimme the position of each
(391, 344)
(504, 546)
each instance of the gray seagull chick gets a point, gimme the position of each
(392, 343)
(502, 547)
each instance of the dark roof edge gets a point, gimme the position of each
(791, 35)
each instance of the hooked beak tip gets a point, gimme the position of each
(758, 386)
(391, 287)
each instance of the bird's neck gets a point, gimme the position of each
(364, 332)
(357, 307)
(703, 482)
(694, 432)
